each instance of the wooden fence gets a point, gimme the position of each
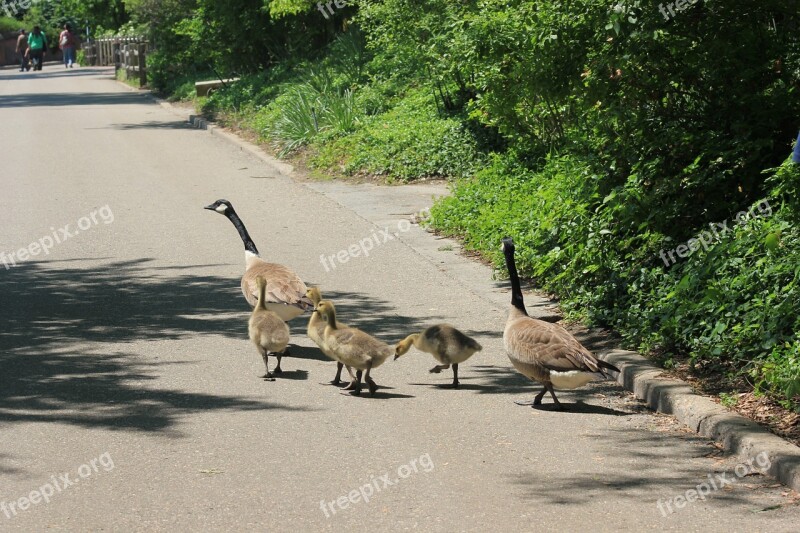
(128, 54)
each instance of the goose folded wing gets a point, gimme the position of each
(551, 347)
(283, 286)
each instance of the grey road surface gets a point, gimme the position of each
(129, 393)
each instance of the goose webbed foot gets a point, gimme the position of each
(538, 399)
(373, 387)
(268, 377)
(438, 368)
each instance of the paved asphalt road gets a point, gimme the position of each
(125, 364)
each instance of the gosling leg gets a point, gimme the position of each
(370, 382)
(438, 368)
(268, 376)
(338, 378)
(356, 379)
(455, 375)
(278, 368)
(355, 386)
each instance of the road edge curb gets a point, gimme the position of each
(737, 434)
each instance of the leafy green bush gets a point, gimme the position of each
(407, 142)
(9, 26)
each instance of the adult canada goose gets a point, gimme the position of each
(268, 332)
(316, 332)
(447, 345)
(285, 291)
(542, 351)
(353, 347)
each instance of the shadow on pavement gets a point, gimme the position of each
(662, 471)
(153, 124)
(51, 311)
(70, 99)
(57, 70)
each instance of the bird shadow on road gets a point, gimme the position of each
(293, 375)
(59, 317)
(152, 124)
(70, 99)
(55, 70)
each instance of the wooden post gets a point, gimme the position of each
(117, 55)
(142, 57)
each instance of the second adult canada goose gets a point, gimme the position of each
(542, 351)
(285, 291)
(447, 345)
(353, 347)
(267, 331)
(316, 332)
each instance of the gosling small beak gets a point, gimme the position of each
(210, 208)
(396, 356)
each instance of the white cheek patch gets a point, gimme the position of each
(221, 208)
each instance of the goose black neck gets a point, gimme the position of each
(516, 290)
(249, 245)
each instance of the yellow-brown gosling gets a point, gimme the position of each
(316, 332)
(353, 347)
(542, 351)
(448, 345)
(268, 332)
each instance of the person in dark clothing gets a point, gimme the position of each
(22, 51)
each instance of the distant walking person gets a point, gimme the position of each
(22, 51)
(37, 46)
(67, 42)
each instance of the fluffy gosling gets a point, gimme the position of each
(267, 331)
(448, 345)
(353, 347)
(316, 332)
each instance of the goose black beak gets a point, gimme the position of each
(210, 208)
(396, 357)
